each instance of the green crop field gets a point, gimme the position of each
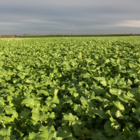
(70, 88)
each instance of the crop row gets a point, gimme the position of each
(70, 89)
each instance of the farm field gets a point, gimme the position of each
(70, 88)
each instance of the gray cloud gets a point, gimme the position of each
(69, 17)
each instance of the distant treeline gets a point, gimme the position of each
(9, 36)
(86, 35)
(34, 36)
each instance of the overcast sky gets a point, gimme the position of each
(69, 17)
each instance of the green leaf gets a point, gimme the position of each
(28, 81)
(98, 136)
(10, 111)
(108, 129)
(43, 92)
(129, 82)
(98, 98)
(132, 65)
(5, 131)
(36, 116)
(83, 101)
(1, 109)
(29, 102)
(102, 80)
(25, 113)
(55, 99)
(114, 91)
(3, 73)
(21, 75)
(92, 111)
(88, 132)
(119, 105)
(19, 67)
(126, 98)
(64, 132)
(130, 125)
(115, 124)
(32, 135)
(77, 129)
(118, 114)
(53, 106)
(126, 132)
(47, 132)
(78, 109)
(104, 83)
(59, 138)
(52, 115)
(98, 90)
(56, 91)
(136, 81)
(70, 117)
(1, 101)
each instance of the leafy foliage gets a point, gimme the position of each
(70, 89)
